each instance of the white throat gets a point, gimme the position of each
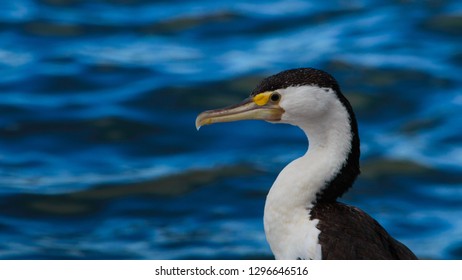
(288, 227)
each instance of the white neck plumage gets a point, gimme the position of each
(288, 227)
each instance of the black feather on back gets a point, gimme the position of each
(348, 232)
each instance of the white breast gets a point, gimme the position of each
(288, 227)
(292, 236)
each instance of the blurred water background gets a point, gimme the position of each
(100, 159)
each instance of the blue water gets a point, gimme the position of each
(100, 159)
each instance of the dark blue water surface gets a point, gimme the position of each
(100, 158)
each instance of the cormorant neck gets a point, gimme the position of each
(333, 152)
(331, 164)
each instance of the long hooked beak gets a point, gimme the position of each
(258, 107)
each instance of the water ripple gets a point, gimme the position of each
(99, 156)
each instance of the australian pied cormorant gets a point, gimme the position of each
(302, 217)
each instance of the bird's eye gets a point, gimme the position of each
(275, 97)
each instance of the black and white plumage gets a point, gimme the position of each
(302, 217)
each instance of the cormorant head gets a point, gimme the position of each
(293, 96)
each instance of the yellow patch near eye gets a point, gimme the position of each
(262, 98)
